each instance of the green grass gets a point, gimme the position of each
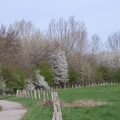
(109, 93)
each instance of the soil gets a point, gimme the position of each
(11, 110)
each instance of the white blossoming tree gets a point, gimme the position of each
(60, 67)
(110, 60)
(40, 81)
(36, 82)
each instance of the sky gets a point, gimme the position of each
(100, 16)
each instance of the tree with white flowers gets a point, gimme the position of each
(60, 67)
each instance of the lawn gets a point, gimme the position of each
(106, 93)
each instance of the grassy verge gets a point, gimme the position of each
(109, 93)
(35, 111)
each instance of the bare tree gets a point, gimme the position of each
(113, 42)
(71, 34)
(95, 44)
(9, 45)
(32, 40)
(113, 45)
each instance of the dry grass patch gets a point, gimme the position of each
(77, 103)
(83, 103)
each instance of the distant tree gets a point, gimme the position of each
(33, 43)
(95, 44)
(113, 42)
(10, 45)
(71, 34)
(112, 59)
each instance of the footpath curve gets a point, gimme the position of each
(11, 110)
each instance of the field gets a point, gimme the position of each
(106, 93)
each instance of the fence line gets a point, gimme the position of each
(54, 88)
(36, 94)
(33, 94)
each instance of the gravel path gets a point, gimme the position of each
(11, 110)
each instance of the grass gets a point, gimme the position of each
(107, 93)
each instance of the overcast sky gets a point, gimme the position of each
(100, 16)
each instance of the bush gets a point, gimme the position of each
(109, 75)
(46, 71)
(14, 78)
(2, 87)
(2, 83)
(117, 74)
(72, 76)
(103, 73)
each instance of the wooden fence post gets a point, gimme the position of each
(39, 94)
(28, 93)
(35, 94)
(17, 94)
(57, 115)
(47, 96)
(25, 93)
(31, 94)
(44, 95)
(20, 93)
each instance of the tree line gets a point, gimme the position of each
(25, 48)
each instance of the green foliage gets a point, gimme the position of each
(109, 75)
(103, 73)
(2, 83)
(46, 71)
(109, 93)
(72, 76)
(117, 74)
(14, 78)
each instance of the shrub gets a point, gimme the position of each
(14, 78)
(2, 83)
(117, 74)
(103, 73)
(72, 76)
(2, 86)
(46, 71)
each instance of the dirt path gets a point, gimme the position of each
(11, 110)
